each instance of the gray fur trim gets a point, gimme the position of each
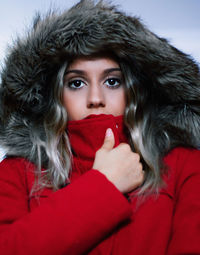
(172, 78)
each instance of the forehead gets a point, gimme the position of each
(94, 61)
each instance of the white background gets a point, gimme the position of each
(177, 20)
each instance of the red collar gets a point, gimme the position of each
(86, 137)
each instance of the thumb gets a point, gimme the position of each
(109, 140)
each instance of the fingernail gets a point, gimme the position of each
(108, 132)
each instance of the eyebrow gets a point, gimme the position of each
(81, 72)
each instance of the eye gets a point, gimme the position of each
(113, 82)
(75, 84)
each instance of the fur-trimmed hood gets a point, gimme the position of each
(35, 59)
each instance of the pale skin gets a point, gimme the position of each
(95, 86)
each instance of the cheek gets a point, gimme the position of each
(121, 102)
(116, 102)
(67, 101)
(73, 104)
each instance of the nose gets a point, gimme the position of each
(95, 97)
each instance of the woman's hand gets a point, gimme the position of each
(120, 165)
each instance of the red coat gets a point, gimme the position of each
(90, 215)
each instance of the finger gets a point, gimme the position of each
(109, 140)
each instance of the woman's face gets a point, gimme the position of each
(93, 86)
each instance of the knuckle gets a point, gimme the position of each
(136, 157)
(140, 167)
(126, 147)
(142, 176)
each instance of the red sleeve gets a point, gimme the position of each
(71, 221)
(186, 221)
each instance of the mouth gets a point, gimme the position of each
(90, 116)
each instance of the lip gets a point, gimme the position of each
(90, 116)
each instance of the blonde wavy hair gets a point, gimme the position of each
(57, 144)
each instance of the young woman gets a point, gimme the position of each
(100, 120)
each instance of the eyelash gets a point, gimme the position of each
(72, 82)
(115, 80)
